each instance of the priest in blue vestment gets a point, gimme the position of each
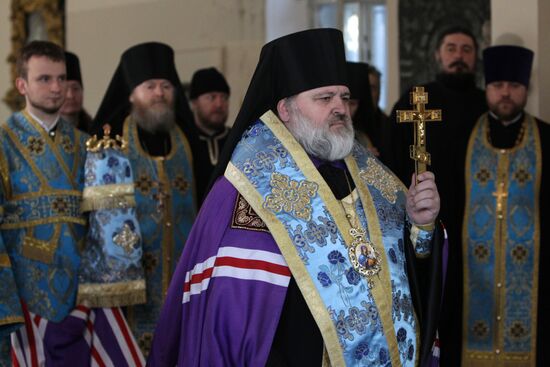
(506, 290)
(145, 104)
(271, 273)
(42, 231)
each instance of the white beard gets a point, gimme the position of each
(154, 120)
(320, 141)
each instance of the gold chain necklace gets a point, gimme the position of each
(362, 254)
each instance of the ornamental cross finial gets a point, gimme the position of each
(419, 116)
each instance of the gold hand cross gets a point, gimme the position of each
(419, 116)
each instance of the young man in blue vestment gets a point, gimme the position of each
(505, 320)
(42, 230)
(271, 272)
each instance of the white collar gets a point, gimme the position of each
(43, 124)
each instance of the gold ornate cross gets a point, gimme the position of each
(500, 194)
(419, 116)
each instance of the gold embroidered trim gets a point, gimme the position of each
(383, 181)
(45, 192)
(112, 294)
(5, 261)
(38, 250)
(381, 291)
(12, 320)
(289, 196)
(244, 217)
(38, 222)
(108, 197)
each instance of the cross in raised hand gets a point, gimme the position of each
(419, 116)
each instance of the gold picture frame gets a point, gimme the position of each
(32, 20)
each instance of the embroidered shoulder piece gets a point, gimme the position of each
(382, 180)
(244, 217)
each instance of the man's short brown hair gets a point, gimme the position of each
(38, 48)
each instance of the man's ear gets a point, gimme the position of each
(131, 98)
(21, 85)
(282, 110)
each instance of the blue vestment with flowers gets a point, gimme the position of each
(111, 274)
(42, 227)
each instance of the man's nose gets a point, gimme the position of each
(159, 91)
(505, 90)
(57, 85)
(339, 105)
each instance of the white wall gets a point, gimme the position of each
(227, 34)
(528, 27)
(285, 16)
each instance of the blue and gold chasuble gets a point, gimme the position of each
(501, 246)
(42, 226)
(360, 325)
(111, 273)
(164, 196)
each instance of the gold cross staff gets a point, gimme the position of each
(419, 116)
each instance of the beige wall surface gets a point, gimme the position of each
(227, 34)
(528, 28)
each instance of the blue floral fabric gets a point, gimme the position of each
(113, 250)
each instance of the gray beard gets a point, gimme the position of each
(153, 120)
(320, 141)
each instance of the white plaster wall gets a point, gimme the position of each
(227, 34)
(286, 16)
(5, 49)
(526, 25)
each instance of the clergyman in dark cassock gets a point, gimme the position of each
(455, 93)
(209, 94)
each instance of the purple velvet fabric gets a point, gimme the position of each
(231, 321)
